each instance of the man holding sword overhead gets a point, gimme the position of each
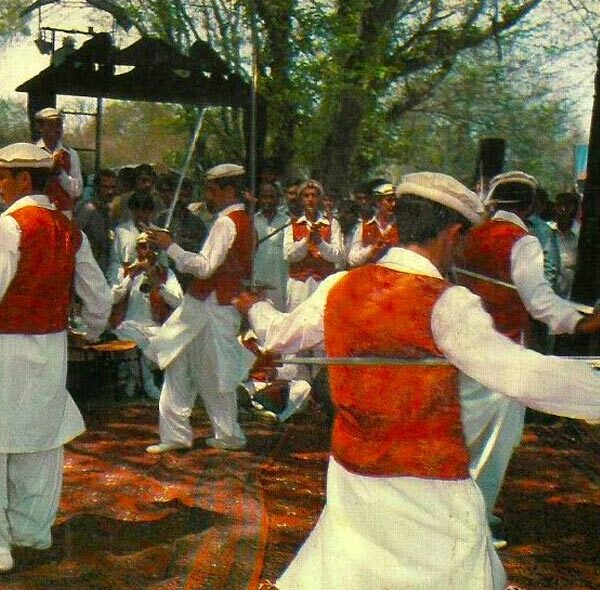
(197, 346)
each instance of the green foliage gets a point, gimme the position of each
(15, 126)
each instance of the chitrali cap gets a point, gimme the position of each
(442, 189)
(24, 155)
(513, 177)
(225, 171)
(49, 114)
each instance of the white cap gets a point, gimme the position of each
(514, 176)
(49, 114)
(225, 171)
(442, 189)
(383, 190)
(24, 155)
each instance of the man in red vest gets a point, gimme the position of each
(44, 257)
(65, 183)
(373, 237)
(402, 510)
(312, 245)
(502, 249)
(198, 346)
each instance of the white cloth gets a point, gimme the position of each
(71, 181)
(198, 347)
(138, 324)
(269, 265)
(37, 412)
(536, 293)
(26, 517)
(371, 534)
(123, 250)
(567, 244)
(296, 250)
(464, 332)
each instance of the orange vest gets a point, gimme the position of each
(313, 264)
(486, 251)
(392, 420)
(371, 234)
(37, 299)
(237, 267)
(56, 193)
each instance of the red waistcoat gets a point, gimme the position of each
(487, 251)
(391, 420)
(37, 300)
(371, 234)
(313, 264)
(237, 267)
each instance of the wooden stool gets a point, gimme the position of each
(101, 366)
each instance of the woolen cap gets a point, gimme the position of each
(442, 189)
(24, 155)
(521, 189)
(49, 114)
(225, 171)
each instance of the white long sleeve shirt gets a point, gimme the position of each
(536, 293)
(37, 414)
(464, 332)
(71, 181)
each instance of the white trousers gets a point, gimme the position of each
(30, 487)
(193, 372)
(493, 426)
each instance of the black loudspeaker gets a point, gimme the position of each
(490, 159)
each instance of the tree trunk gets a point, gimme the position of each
(334, 167)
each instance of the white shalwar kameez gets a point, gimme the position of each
(72, 181)
(269, 265)
(198, 347)
(38, 416)
(495, 424)
(406, 532)
(123, 250)
(297, 250)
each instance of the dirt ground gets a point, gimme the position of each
(206, 519)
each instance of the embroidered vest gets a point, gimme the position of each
(313, 264)
(392, 420)
(37, 300)
(486, 251)
(237, 267)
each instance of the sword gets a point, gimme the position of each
(395, 361)
(580, 307)
(186, 165)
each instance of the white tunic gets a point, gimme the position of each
(269, 264)
(138, 324)
(194, 316)
(384, 540)
(71, 181)
(122, 250)
(37, 413)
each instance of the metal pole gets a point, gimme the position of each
(99, 118)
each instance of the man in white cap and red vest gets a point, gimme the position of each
(374, 237)
(44, 259)
(506, 266)
(65, 183)
(198, 346)
(402, 510)
(312, 245)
